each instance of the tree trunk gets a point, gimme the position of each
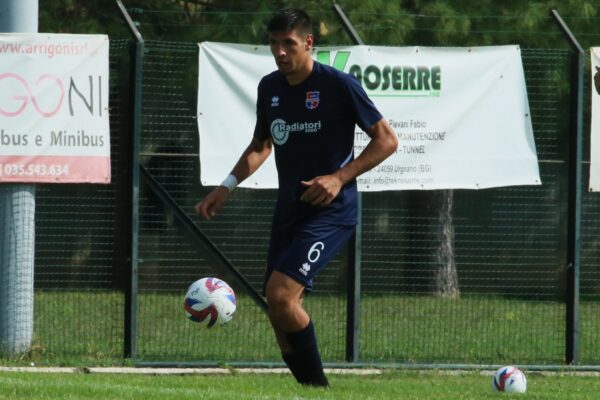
(446, 277)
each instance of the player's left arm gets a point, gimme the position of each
(323, 189)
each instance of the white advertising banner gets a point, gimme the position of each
(461, 114)
(54, 123)
(594, 185)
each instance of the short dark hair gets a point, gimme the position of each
(288, 19)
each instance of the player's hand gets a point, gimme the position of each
(212, 203)
(321, 190)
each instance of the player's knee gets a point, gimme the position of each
(282, 305)
(283, 295)
(279, 301)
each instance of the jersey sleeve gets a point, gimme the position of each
(261, 131)
(365, 112)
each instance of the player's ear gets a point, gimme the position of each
(310, 40)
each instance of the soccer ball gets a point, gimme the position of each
(509, 379)
(210, 302)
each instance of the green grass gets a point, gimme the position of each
(86, 328)
(391, 385)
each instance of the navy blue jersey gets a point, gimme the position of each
(312, 128)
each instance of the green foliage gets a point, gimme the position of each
(382, 22)
(70, 16)
(449, 25)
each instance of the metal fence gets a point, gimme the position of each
(110, 280)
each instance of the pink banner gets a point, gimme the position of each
(54, 169)
(54, 112)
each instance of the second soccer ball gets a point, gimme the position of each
(509, 379)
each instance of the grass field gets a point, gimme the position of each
(390, 385)
(394, 328)
(86, 328)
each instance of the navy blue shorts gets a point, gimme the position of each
(302, 253)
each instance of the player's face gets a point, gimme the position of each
(291, 51)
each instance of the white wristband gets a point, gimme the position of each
(230, 182)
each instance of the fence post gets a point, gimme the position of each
(347, 25)
(354, 251)
(17, 223)
(574, 194)
(131, 291)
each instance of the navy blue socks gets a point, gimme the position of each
(305, 361)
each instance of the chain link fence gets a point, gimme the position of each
(509, 247)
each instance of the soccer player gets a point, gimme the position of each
(307, 111)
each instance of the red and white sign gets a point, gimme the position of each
(54, 123)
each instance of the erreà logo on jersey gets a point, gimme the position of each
(389, 80)
(281, 130)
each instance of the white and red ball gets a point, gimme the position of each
(509, 379)
(210, 302)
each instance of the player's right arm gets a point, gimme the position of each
(251, 159)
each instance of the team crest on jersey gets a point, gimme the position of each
(312, 100)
